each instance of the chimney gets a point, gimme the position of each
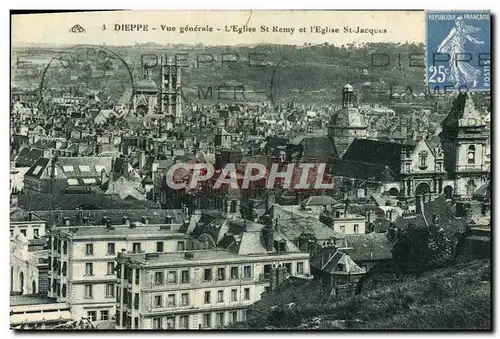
(145, 220)
(30, 215)
(98, 149)
(67, 221)
(273, 278)
(142, 159)
(103, 176)
(125, 171)
(126, 220)
(168, 219)
(107, 222)
(80, 214)
(85, 221)
(347, 203)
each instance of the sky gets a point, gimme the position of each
(353, 27)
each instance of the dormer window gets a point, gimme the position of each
(422, 160)
(471, 155)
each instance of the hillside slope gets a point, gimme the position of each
(456, 297)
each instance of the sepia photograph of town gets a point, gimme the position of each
(250, 170)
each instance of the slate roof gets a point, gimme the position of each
(293, 225)
(37, 170)
(319, 200)
(365, 247)
(18, 214)
(450, 223)
(361, 170)
(84, 167)
(377, 153)
(28, 156)
(328, 260)
(155, 216)
(320, 148)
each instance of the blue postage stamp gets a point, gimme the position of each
(458, 51)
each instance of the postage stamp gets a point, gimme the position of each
(458, 50)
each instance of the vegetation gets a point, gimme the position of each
(456, 297)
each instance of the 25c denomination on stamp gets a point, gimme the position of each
(458, 50)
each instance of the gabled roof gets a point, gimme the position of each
(336, 262)
(28, 156)
(462, 110)
(319, 200)
(319, 148)
(373, 246)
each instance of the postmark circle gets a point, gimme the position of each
(86, 77)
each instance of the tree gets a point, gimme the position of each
(418, 249)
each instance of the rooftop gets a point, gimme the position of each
(31, 299)
(126, 230)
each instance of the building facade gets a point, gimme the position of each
(82, 260)
(195, 290)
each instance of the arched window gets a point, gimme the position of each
(471, 155)
(423, 160)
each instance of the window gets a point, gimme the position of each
(207, 317)
(64, 290)
(439, 167)
(137, 276)
(471, 155)
(407, 168)
(159, 246)
(111, 248)
(110, 268)
(89, 181)
(234, 295)
(36, 170)
(158, 301)
(184, 299)
(184, 322)
(207, 274)
(23, 232)
(68, 168)
(423, 159)
(84, 168)
(89, 249)
(136, 322)
(185, 276)
(170, 323)
(157, 323)
(136, 301)
(356, 228)
(136, 247)
(36, 233)
(180, 246)
(207, 297)
(247, 272)
(171, 300)
(246, 294)
(233, 316)
(92, 315)
(172, 277)
(88, 291)
(300, 268)
(73, 182)
(342, 229)
(234, 273)
(110, 290)
(89, 269)
(243, 315)
(105, 315)
(159, 278)
(11, 233)
(65, 247)
(219, 318)
(220, 296)
(221, 273)
(64, 269)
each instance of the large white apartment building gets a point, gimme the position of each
(198, 289)
(82, 257)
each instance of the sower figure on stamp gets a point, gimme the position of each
(461, 73)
